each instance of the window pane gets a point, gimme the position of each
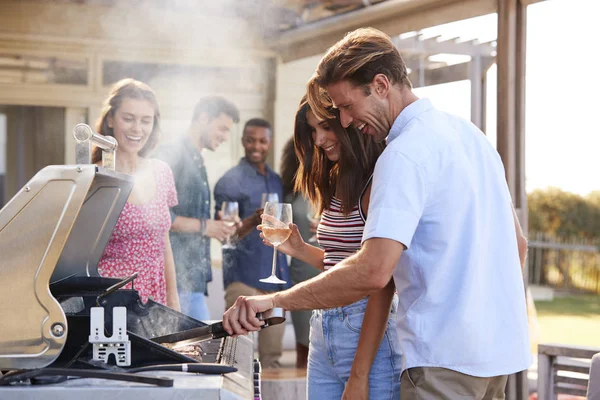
(21, 68)
(186, 77)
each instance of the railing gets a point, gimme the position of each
(563, 370)
(564, 263)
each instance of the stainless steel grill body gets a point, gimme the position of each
(52, 236)
(34, 228)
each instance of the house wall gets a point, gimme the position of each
(291, 86)
(183, 54)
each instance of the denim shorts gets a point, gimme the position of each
(334, 337)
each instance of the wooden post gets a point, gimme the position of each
(506, 60)
(545, 381)
(477, 103)
(484, 101)
(511, 126)
(520, 195)
(511, 58)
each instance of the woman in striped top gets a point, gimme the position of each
(344, 360)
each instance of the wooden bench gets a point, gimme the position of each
(594, 384)
(563, 370)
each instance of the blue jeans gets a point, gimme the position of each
(194, 305)
(334, 337)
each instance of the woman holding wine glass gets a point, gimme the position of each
(276, 221)
(353, 351)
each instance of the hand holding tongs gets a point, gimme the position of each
(215, 331)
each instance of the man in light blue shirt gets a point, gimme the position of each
(440, 221)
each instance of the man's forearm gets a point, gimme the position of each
(367, 271)
(186, 225)
(348, 282)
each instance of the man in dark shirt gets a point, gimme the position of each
(251, 260)
(192, 227)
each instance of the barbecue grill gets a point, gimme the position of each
(52, 235)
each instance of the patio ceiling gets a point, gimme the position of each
(310, 37)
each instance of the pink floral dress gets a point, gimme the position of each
(137, 243)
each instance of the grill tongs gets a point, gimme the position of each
(214, 331)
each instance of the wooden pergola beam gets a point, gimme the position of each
(393, 17)
(445, 74)
(430, 77)
(417, 45)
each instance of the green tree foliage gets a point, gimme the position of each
(561, 213)
(594, 198)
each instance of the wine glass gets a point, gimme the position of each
(230, 215)
(276, 221)
(268, 198)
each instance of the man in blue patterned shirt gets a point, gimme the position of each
(192, 227)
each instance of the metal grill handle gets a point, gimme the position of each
(86, 138)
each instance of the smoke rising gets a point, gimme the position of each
(183, 49)
(188, 49)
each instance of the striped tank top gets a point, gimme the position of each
(340, 236)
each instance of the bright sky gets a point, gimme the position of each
(563, 84)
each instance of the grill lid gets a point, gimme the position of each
(93, 227)
(55, 227)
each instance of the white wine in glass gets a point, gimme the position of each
(230, 215)
(276, 221)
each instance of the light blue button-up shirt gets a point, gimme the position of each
(439, 188)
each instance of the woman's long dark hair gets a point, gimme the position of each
(288, 167)
(127, 89)
(319, 179)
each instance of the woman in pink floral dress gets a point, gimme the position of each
(140, 241)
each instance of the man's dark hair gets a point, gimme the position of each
(214, 106)
(258, 122)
